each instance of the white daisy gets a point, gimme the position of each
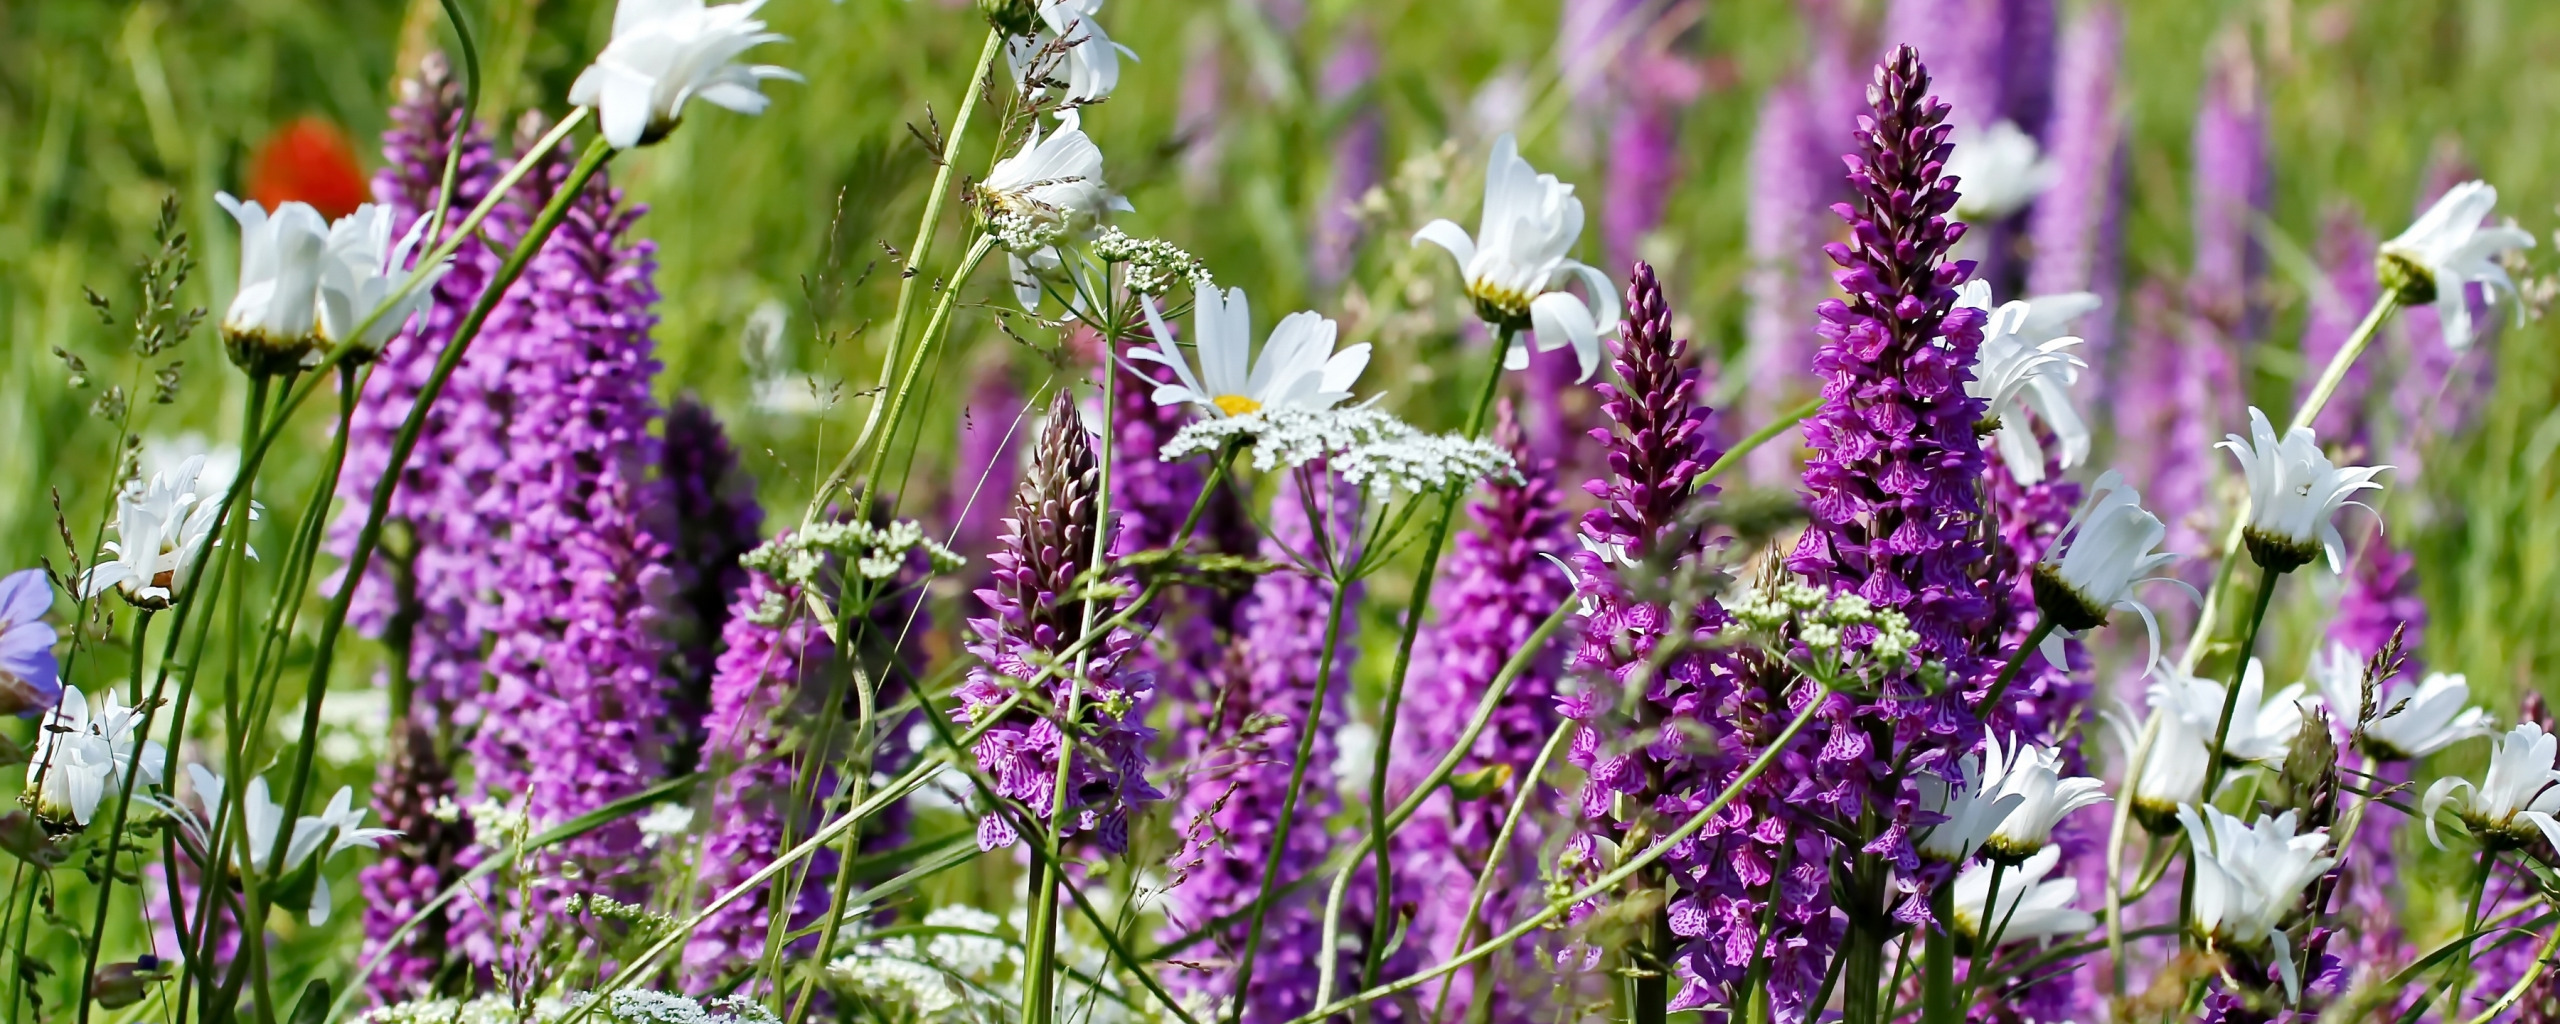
(1298, 366)
(1515, 265)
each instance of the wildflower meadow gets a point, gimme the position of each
(1279, 512)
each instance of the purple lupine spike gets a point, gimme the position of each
(1592, 38)
(2231, 187)
(423, 598)
(2076, 231)
(578, 699)
(1891, 485)
(1500, 587)
(768, 672)
(2030, 71)
(428, 588)
(413, 870)
(712, 518)
(1237, 782)
(1658, 756)
(2168, 396)
(1644, 148)
(1358, 150)
(987, 463)
(1048, 542)
(1794, 180)
(2346, 252)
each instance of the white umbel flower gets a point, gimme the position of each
(1069, 50)
(273, 318)
(162, 530)
(1298, 366)
(2408, 722)
(2026, 365)
(2031, 909)
(2033, 774)
(665, 53)
(2095, 563)
(2174, 770)
(2519, 796)
(2263, 726)
(1973, 805)
(1999, 170)
(1516, 265)
(83, 750)
(1048, 190)
(2294, 494)
(2446, 251)
(338, 827)
(1365, 446)
(363, 269)
(2249, 877)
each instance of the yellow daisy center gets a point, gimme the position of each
(1236, 405)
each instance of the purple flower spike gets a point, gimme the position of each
(2077, 228)
(713, 518)
(2231, 184)
(1500, 587)
(1239, 777)
(1031, 620)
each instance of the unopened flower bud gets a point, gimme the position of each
(1011, 17)
(121, 985)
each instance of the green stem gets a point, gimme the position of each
(1557, 907)
(1993, 923)
(2239, 671)
(1938, 961)
(934, 328)
(1289, 802)
(2009, 672)
(29, 882)
(1862, 971)
(1522, 788)
(917, 254)
(1653, 970)
(1733, 456)
(1382, 903)
(2458, 971)
(405, 442)
(115, 837)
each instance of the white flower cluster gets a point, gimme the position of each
(866, 550)
(950, 976)
(1155, 265)
(1024, 232)
(626, 1007)
(1368, 447)
(1822, 617)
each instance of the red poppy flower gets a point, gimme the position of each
(309, 160)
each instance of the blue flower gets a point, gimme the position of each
(30, 678)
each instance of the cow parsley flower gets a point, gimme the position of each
(79, 755)
(2294, 492)
(1998, 170)
(667, 52)
(2030, 908)
(2407, 722)
(363, 268)
(2249, 876)
(2095, 562)
(1515, 265)
(340, 826)
(2026, 365)
(2446, 251)
(1365, 446)
(272, 323)
(1298, 366)
(2519, 795)
(30, 678)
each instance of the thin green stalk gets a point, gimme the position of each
(917, 254)
(2458, 971)
(107, 878)
(1733, 456)
(935, 326)
(2239, 670)
(462, 132)
(1990, 936)
(1556, 908)
(1862, 995)
(2009, 672)
(1938, 961)
(24, 918)
(1526, 785)
(1382, 920)
(1289, 802)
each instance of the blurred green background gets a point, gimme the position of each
(107, 106)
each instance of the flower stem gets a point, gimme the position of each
(1938, 960)
(1558, 907)
(1382, 921)
(324, 650)
(935, 326)
(1733, 456)
(1523, 787)
(2009, 672)
(107, 878)
(2239, 670)
(1289, 801)
(917, 254)
(2458, 973)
